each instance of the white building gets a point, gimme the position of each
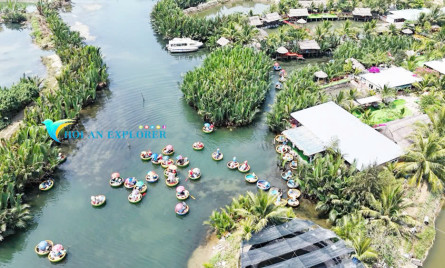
(326, 124)
(437, 65)
(395, 77)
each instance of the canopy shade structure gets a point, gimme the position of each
(407, 31)
(437, 65)
(308, 45)
(282, 50)
(223, 41)
(298, 12)
(304, 140)
(272, 17)
(301, 21)
(369, 100)
(255, 21)
(357, 141)
(320, 75)
(362, 12)
(297, 243)
(395, 77)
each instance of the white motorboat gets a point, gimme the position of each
(178, 45)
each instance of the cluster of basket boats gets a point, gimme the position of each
(55, 253)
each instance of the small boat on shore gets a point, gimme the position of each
(293, 193)
(280, 138)
(276, 66)
(278, 86)
(208, 128)
(182, 45)
(293, 202)
(135, 197)
(168, 150)
(182, 208)
(217, 156)
(198, 146)
(141, 187)
(286, 175)
(182, 193)
(146, 155)
(46, 185)
(172, 181)
(156, 159)
(151, 177)
(251, 178)
(43, 247)
(182, 161)
(166, 162)
(282, 149)
(61, 158)
(194, 174)
(57, 253)
(275, 191)
(130, 182)
(288, 157)
(263, 185)
(233, 164)
(292, 184)
(293, 165)
(244, 167)
(98, 200)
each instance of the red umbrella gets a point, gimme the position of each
(115, 175)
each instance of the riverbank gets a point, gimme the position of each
(215, 3)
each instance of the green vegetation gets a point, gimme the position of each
(230, 86)
(29, 154)
(15, 98)
(384, 113)
(13, 12)
(169, 21)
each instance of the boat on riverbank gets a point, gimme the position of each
(46, 185)
(43, 247)
(182, 45)
(292, 184)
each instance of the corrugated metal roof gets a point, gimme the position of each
(438, 65)
(304, 140)
(392, 77)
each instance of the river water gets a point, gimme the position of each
(18, 55)
(143, 91)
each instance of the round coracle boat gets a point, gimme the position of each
(207, 130)
(293, 202)
(198, 146)
(141, 187)
(251, 178)
(263, 185)
(168, 150)
(46, 185)
(217, 157)
(172, 181)
(98, 200)
(156, 159)
(292, 184)
(293, 165)
(182, 208)
(275, 191)
(61, 158)
(182, 193)
(151, 177)
(57, 253)
(116, 182)
(194, 174)
(280, 138)
(288, 157)
(286, 175)
(282, 149)
(132, 198)
(130, 182)
(244, 168)
(232, 164)
(166, 163)
(44, 247)
(182, 162)
(293, 193)
(146, 156)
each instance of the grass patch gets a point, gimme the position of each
(385, 113)
(322, 16)
(344, 80)
(228, 257)
(425, 239)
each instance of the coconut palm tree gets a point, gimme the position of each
(363, 248)
(388, 209)
(261, 210)
(425, 160)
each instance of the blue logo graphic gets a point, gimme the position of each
(54, 128)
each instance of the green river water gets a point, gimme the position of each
(148, 234)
